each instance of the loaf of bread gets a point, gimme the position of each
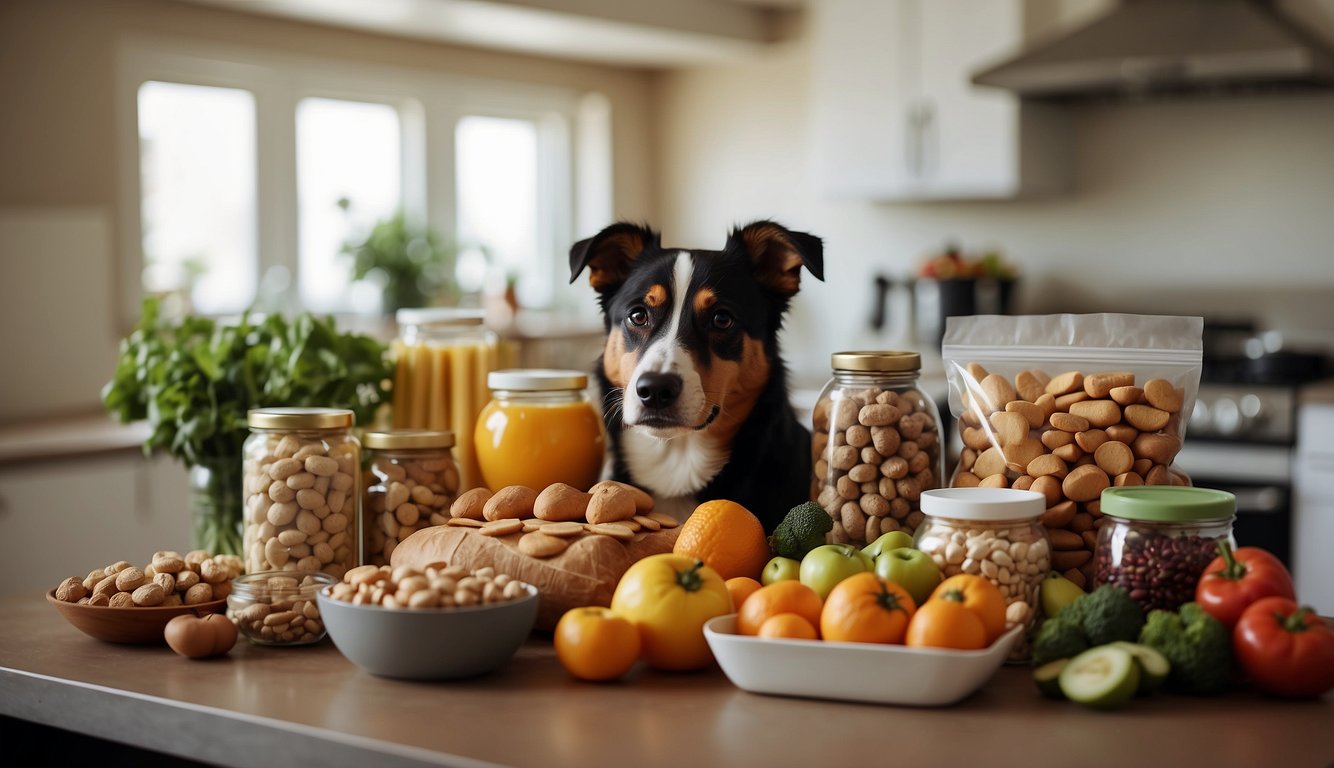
(585, 573)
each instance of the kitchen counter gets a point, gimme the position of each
(69, 437)
(1317, 393)
(309, 706)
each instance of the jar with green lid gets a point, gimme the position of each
(413, 481)
(540, 428)
(1156, 541)
(875, 445)
(301, 477)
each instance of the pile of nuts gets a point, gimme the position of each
(549, 521)
(873, 452)
(1068, 437)
(169, 580)
(409, 494)
(436, 586)
(301, 500)
(278, 609)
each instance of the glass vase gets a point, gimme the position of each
(216, 506)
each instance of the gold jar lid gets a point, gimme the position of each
(407, 439)
(886, 361)
(536, 380)
(300, 418)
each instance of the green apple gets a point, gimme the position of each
(886, 542)
(1056, 592)
(911, 569)
(780, 569)
(828, 564)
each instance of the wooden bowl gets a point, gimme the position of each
(127, 625)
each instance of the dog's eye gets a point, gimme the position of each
(723, 320)
(638, 316)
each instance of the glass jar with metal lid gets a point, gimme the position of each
(443, 356)
(301, 478)
(413, 482)
(875, 445)
(1156, 540)
(540, 428)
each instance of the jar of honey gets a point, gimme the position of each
(539, 428)
(442, 359)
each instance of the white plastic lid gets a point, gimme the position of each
(983, 503)
(536, 379)
(432, 315)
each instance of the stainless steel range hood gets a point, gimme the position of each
(1149, 47)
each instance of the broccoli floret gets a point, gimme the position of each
(1107, 614)
(803, 529)
(1195, 644)
(1058, 638)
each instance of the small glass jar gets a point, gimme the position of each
(875, 445)
(414, 480)
(540, 428)
(278, 607)
(442, 359)
(1158, 539)
(301, 477)
(994, 533)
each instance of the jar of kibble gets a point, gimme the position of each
(302, 480)
(994, 533)
(1158, 540)
(875, 445)
(414, 480)
(278, 607)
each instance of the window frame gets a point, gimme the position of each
(574, 167)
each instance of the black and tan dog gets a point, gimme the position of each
(695, 394)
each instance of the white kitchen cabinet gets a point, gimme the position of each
(1313, 508)
(896, 116)
(63, 518)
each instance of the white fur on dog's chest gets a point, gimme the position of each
(668, 468)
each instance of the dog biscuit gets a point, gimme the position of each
(542, 545)
(502, 527)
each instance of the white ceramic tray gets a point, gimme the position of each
(867, 672)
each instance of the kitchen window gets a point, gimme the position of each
(246, 173)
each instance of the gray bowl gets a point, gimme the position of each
(431, 644)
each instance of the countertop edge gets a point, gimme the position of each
(233, 738)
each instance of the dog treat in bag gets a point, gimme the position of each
(1067, 405)
(875, 445)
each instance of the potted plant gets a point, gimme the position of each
(415, 267)
(195, 381)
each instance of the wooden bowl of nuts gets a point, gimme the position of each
(121, 603)
(440, 623)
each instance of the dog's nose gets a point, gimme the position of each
(658, 390)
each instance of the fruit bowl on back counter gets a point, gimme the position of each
(866, 672)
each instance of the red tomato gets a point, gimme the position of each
(1234, 580)
(1285, 650)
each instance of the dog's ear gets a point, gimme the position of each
(608, 254)
(777, 255)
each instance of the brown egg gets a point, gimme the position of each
(200, 637)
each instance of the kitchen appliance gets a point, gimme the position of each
(1241, 435)
(912, 310)
(1172, 46)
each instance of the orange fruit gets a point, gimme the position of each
(786, 596)
(865, 608)
(593, 643)
(945, 622)
(788, 625)
(740, 588)
(727, 537)
(979, 596)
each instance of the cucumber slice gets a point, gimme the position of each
(1102, 677)
(1048, 678)
(1153, 666)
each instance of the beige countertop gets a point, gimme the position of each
(69, 437)
(310, 706)
(1318, 393)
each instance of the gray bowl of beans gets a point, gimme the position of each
(457, 639)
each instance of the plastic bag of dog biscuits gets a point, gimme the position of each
(1067, 405)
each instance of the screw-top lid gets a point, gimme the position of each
(439, 316)
(408, 438)
(983, 503)
(893, 362)
(300, 418)
(536, 379)
(1168, 503)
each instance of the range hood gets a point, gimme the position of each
(1154, 47)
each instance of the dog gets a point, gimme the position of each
(695, 394)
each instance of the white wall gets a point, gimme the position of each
(1213, 207)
